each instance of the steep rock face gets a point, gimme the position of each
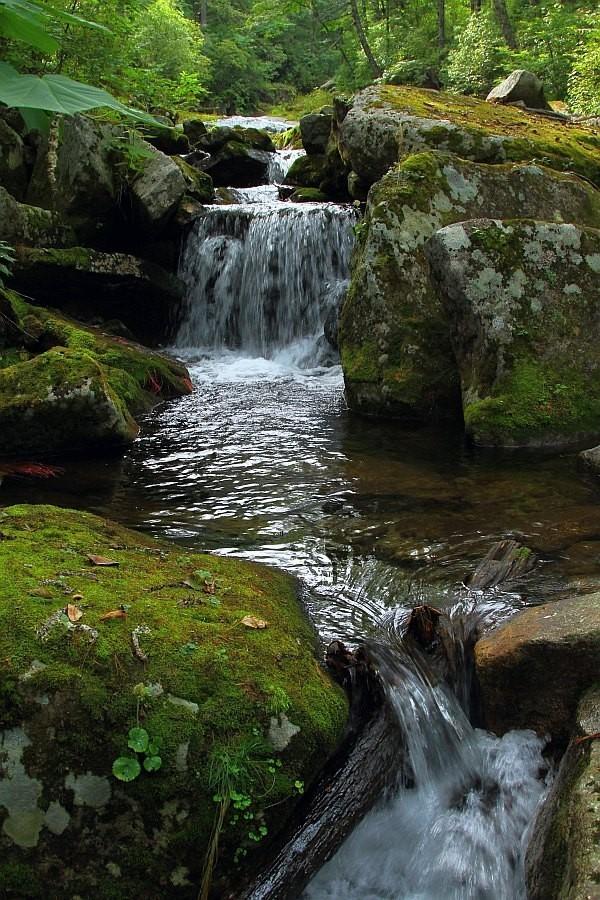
(385, 123)
(14, 173)
(156, 192)
(205, 689)
(523, 301)
(563, 855)
(533, 669)
(74, 175)
(73, 388)
(31, 225)
(90, 284)
(394, 335)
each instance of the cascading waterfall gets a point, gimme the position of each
(457, 825)
(263, 276)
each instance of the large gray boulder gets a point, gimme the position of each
(563, 855)
(385, 123)
(315, 129)
(523, 302)
(520, 86)
(74, 174)
(156, 192)
(14, 172)
(394, 334)
(31, 225)
(533, 669)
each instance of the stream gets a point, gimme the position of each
(265, 462)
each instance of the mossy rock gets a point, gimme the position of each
(199, 184)
(308, 195)
(386, 123)
(207, 689)
(394, 335)
(31, 225)
(307, 171)
(236, 164)
(79, 389)
(288, 140)
(90, 285)
(523, 300)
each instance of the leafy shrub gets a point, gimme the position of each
(473, 65)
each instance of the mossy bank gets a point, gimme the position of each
(242, 717)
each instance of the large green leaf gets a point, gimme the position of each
(26, 22)
(56, 93)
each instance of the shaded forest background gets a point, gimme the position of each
(249, 55)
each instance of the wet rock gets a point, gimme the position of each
(31, 225)
(394, 335)
(199, 183)
(61, 807)
(169, 140)
(14, 172)
(520, 86)
(563, 855)
(155, 193)
(253, 138)
(315, 130)
(235, 164)
(194, 129)
(533, 669)
(523, 301)
(308, 195)
(80, 389)
(384, 123)
(88, 283)
(307, 171)
(589, 460)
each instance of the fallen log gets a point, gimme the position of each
(506, 561)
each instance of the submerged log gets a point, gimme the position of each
(506, 561)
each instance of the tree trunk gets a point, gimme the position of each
(362, 39)
(441, 22)
(503, 19)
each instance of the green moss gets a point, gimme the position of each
(526, 136)
(307, 171)
(308, 195)
(200, 184)
(197, 650)
(360, 362)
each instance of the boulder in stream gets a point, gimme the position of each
(394, 333)
(135, 716)
(156, 191)
(315, 129)
(563, 855)
(533, 669)
(523, 301)
(66, 388)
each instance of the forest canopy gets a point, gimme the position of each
(165, 56)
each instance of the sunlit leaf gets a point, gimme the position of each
(152, 763)
(126, 768)
(138, 740)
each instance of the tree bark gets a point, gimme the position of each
(363, 41)
(506, 27)
(441, 22)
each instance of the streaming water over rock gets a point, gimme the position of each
(261, 277)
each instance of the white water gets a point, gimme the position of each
(262, 276)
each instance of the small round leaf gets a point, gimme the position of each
(126, 768)
(152, 763)
(138, 740)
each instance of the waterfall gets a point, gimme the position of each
(457, 825)
(263, 276)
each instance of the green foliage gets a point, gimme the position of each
(474, 63)
(127, 768)
(584, 81)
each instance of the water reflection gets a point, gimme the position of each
(264, 461)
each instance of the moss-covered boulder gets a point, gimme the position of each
(147, 693)
(385, 123)
(76, 389)
(31, 225)
(534, 668)
(156, 191)
(394, 337)
(308, 195)
(92, 285)
(219, 135)
(236, 164)
(307, 171)
(523, 301)
(199, 183)
(563, 854)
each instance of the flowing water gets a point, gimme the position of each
(264, 461)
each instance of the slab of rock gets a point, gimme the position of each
(563, 855)
(394, 335)
(156, 192)
(589, 460)
(235, 164)
(194, 129)
(523, 302)
(520, 86)
(533, 669)
(31, 225)
(89, 284)
(14, 171)
(385, 123)
(315, 130)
